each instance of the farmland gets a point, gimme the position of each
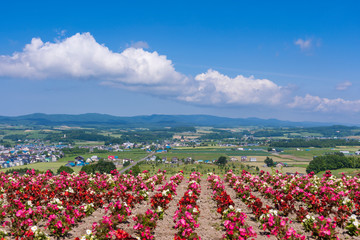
(179, 206)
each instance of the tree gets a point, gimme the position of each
(127, 163)
(88, 169)
(221, 161)
(135, 170)
(65, 169)
(105, 167)
(269, 162)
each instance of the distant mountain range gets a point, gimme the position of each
(151, 121)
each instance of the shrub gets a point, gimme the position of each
(65, 169)
(101, 166)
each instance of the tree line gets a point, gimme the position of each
(332, 162)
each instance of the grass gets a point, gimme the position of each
(310, 153)
(203, 168)
(337, 172)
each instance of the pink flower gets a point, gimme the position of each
(59, 224)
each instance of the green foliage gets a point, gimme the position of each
(105, 167)
(221, 161)
(20, 171)
(126, 164)
(319, 143)
(65, 169)
(101, 167)
(332, 162)
(88, 168)
(135, 170)
(269, 162)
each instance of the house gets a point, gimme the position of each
(233, 159)
(79, 158)
(345, 152)
(252, 159)
(243, 158)
(112, 158)
(357, 153)
(70, 164)
(174, 160)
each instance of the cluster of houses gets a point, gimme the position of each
(119, 161)
(28, 154)
(348, 153)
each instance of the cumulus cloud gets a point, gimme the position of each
(304, 44)
(318, 104)
(343, 86)
(216, 88)
(80, 56)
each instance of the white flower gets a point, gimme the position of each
(88, 232)
(29, 203)
(273, 212)
(238, 210)
(352, 217)
(34, 228)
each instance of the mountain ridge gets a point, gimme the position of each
(154, 120)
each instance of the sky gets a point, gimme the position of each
(289, 60)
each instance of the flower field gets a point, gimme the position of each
(120, 206)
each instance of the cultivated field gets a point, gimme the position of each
(191, 206)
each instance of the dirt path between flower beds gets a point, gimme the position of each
(87, 222)
(165, 227)
(250, 220)
(209, 219)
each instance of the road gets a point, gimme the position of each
(135, 162)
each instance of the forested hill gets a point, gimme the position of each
(104, 120)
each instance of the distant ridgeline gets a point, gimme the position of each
(332, 162)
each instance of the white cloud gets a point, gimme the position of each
(304, 44)
(81, 57)
(343, 86)
(318, 104)
(139, 44)
(216, 88)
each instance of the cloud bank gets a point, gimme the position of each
(81, 57)
(318, 104)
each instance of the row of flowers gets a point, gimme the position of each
(146, 222)
(187, 214)
(233, 219)
(269, 218)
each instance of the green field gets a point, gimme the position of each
(203, 168)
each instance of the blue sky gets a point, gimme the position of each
(289, 60)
